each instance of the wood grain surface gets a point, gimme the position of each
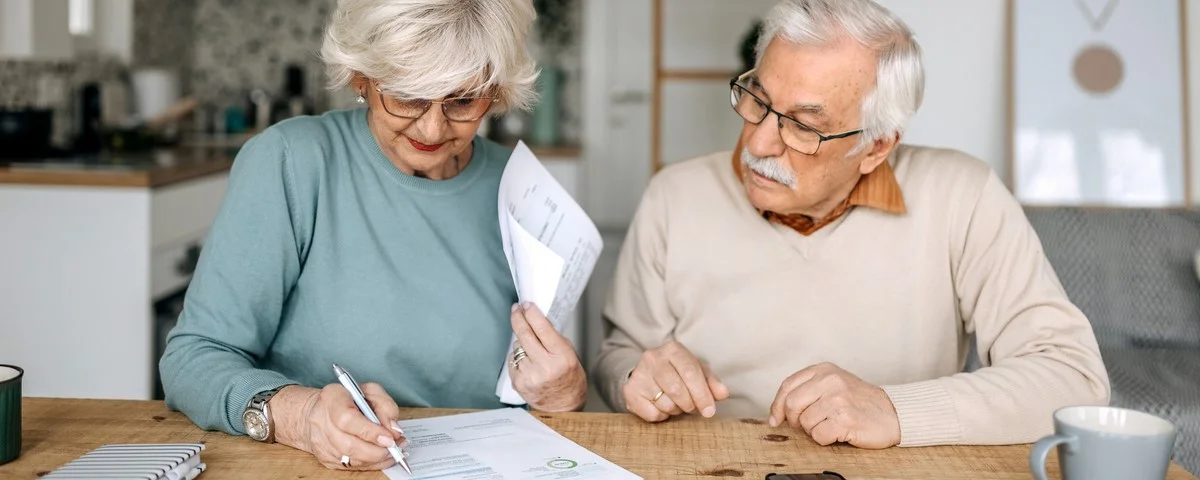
(57, 431)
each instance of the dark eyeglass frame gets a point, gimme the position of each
(736, 89)
(429, 103)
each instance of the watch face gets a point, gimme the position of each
(256, 425)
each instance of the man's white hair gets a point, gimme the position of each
(434, 48)
(900, 75)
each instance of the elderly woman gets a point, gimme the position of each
(369, 238)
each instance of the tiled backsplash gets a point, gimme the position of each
(164, 37)
(241, 46)
(223, 49)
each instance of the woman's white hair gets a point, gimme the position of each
(434, 48)
(900, 74)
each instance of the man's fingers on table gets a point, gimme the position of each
(639, 392)
(643, 408)
(807, 396)
(828, 432)
(718, 389)
(778, 408)
(666, 405)
(813, 415)
(697, 384)
(668, 379)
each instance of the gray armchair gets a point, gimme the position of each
(1133, 273)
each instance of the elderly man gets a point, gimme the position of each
(827, 278)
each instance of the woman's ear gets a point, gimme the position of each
(359, 82)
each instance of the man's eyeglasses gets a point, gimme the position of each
(795, 135)
(456, 109)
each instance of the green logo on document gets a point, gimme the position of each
(562, 464)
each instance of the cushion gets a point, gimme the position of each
(1131, 271)
(1161, 382)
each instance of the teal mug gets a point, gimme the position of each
(1106, 443)
(10, 412)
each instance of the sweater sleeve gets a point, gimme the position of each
(248, 265)
(636, 315)
(1038, 350)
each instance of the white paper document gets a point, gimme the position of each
(504, 444)
(550, 243)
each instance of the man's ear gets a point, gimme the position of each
(880, 149)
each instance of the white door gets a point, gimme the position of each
(618, 76)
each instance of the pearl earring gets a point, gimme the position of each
(360, 99)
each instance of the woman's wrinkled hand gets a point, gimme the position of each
(548, 374)
(327, 424)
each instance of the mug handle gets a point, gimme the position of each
(1037, 455)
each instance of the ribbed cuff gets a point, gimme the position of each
(926, 412)
(246, 386)
(618, 366)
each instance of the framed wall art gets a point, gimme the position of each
(1098, 102)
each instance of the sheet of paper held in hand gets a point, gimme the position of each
(550, 243)
(504, 444)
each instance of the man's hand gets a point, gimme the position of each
(668, 381)
(832, 405)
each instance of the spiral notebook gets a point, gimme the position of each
(149, 461)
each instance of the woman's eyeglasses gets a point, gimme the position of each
(456, 109)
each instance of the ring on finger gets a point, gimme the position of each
(657, 396)
(346, 461)
(518, 356)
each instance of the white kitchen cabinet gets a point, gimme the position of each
(80, 270)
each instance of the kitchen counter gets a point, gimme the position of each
(90, 247)
(131, 170)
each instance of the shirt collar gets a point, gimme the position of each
(878, 190)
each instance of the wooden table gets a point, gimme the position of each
(59, 430)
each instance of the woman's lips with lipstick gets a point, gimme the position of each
(423, 147)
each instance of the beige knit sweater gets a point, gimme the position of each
(890, 298)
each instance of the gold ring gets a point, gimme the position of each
(657, 396)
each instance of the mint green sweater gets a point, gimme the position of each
(324, 252)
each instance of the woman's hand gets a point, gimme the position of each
(327, 424)
(548, 376)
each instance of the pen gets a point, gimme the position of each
(361, 400)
